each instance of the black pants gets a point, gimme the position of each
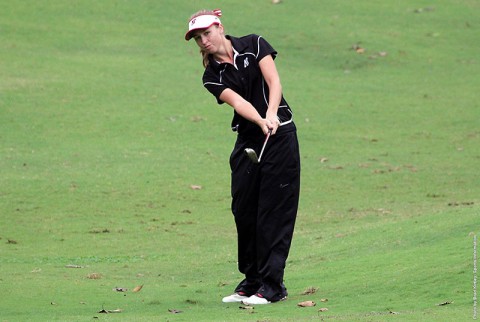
(264, 203)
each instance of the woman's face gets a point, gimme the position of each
(209, 39)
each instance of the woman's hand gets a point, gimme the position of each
(267, 125)
(272, 123)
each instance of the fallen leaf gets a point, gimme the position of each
(73, 266)
(323, 300)
(466, 203)
(174, 311)
(445, 303)
(197, 118)
(323, 309)
(427, 9)
(310, 290)
(99, 231)
(94, 276)
(115, 311)
(120, 289)
(195, 187)
(137, 288)
(323, 160)
(110, 311)
(356, 46)
(338, 167)
(307, 304)
(246, 307)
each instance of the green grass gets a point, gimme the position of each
(105, 126)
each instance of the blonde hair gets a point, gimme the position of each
(203, 12)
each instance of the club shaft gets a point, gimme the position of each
(264, 145)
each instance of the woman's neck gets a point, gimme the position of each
(225, 52)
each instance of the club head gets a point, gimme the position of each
(252, 155)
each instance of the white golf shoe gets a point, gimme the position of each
(255, 300)
(234, 298)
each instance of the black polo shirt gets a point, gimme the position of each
(245, 78)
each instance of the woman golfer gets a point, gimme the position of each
(241, 72)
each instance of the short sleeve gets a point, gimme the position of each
(211, 81)
(264, 48)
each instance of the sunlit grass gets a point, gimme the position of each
(114, 161)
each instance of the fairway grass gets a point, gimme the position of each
(114, 161)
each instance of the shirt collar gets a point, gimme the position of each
(238, 45)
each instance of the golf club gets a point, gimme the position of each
(251, 152)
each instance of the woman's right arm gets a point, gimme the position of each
(244, 109)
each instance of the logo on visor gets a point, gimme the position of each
(245, 63)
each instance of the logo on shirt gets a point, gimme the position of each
(245, 63)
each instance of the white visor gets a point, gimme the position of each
(201, 22)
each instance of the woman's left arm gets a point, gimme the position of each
(270, 74)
